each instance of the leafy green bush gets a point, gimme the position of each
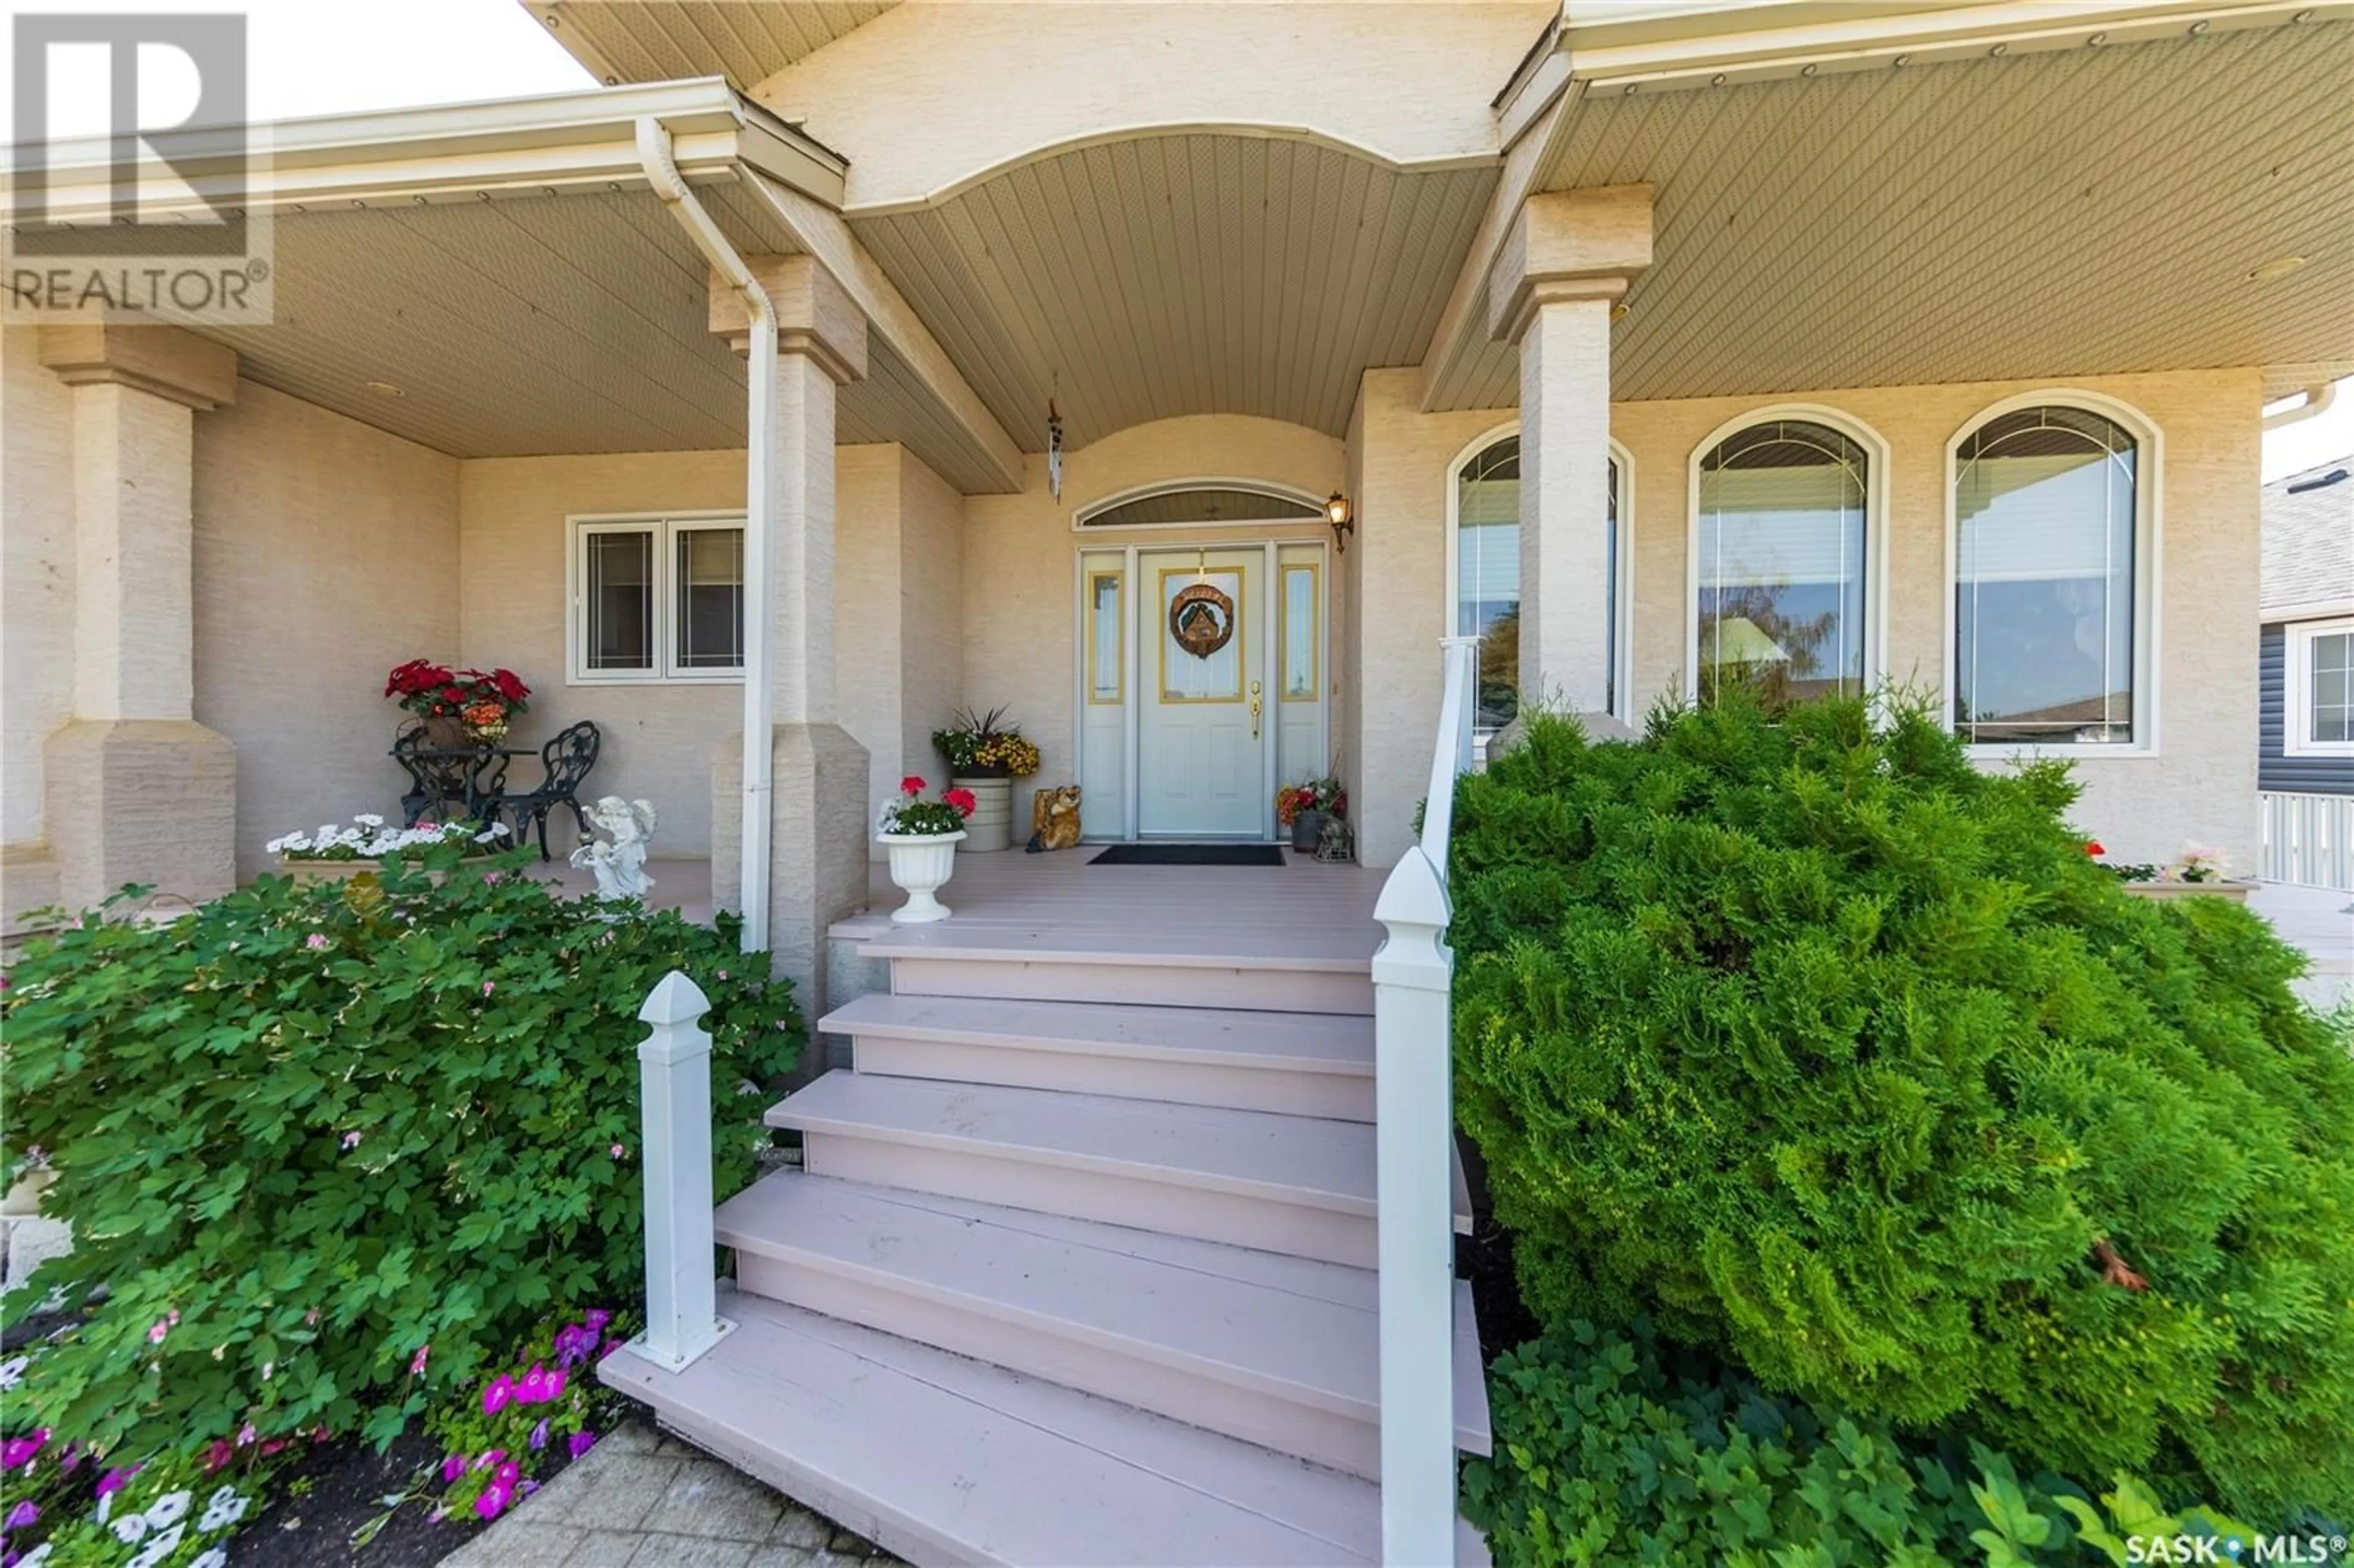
(326, 1148)
(1614, 1450)
(1826, 1048)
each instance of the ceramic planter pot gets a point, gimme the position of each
(1306, 831)
(990, 826)
(921, 864)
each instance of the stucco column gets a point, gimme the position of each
(136, 790)
(1569, 259)
(818, 826)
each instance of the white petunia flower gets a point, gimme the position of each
(40, 1554)
(212, 1557)
(159, 1546)
(367, 819)
(170, 1509)
(223, 1508)
(12, 1371)
(130, 1528)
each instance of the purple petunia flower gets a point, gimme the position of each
(488, 1458)
(499, 1394)
(22, 1514)
(452, 1468)
(580, 1443)
(417, 1361)
(20, 1450)
(506, 1474)
(115, 1480)
(539, 1436)
(493, 1502)
(597, 1320)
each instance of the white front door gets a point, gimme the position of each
(1203, 747)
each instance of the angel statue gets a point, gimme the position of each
(619, 865)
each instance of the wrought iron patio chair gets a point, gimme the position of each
(449, 783)
(565, 761)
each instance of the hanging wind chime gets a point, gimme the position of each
(1053, 450)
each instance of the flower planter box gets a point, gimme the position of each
(921, 864)
(343, 870)
(2237, 891)
(990, 826)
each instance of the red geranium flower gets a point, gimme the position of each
(911, 784)
(962, 799)
(2095, 846)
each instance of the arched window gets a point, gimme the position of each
(1780, 539)
(2048, 544)
(1484, 566)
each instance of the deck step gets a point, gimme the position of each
(1307, 971)
(1282, 1352)
(1304, 1064)
(944, 1460)
(1302, 1185)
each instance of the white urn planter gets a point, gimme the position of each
(921, 864)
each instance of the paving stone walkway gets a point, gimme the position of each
(641, 1498)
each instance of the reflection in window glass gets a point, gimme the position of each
(2045, 509)
(1782, 530)
(1299, 634)
(1488, 575)
(2333, 686)
(1103, 638)
(710, 599)
(620, 591)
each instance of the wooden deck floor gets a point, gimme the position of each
(1299, 910)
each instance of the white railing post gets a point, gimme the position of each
(1415, 1198)
(674, 1086)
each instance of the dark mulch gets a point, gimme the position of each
(348, 1483)
(1485, 1258)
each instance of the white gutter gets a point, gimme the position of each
(760, 436)
(2317, 401)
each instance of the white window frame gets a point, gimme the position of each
(2149, 568)
(1875, 531)
(665, 526)
(2296, 688)
(1622, 656)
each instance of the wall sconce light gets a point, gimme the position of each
(1338, 512)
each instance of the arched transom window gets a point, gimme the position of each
(1783, 526)
(2047, 538)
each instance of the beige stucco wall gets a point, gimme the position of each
(1020, 554)
(325, 553)
(2200, 782)
(36, 578)
(931, 626)
(659, 737)
(929, 95)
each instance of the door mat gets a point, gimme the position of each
(1190, 854)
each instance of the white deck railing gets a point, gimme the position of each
(1415, 1130)
(2308, 839)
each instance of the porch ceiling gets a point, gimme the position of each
(1183, 273)
(542, 325)
(658, 40)
(2087, 212)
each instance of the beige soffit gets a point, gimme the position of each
(548, 325)
(2091, 212)
(1187, 273)
(658, 40)
(455, 153)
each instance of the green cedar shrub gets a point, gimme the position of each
(1826, 1048)
(327, 1147)
(1614, 1450)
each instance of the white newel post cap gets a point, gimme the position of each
(672, 1007)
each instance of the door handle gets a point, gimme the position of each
(1255, 705)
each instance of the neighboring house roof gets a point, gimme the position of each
(2309, 540)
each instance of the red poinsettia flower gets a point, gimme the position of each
(2095, 846)
(510, 684)
(962, 799)
(911, 784)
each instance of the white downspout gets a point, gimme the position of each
(760, 436)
